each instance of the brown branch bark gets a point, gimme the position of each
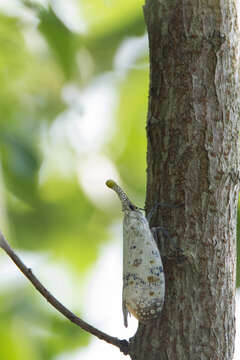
(121, 344)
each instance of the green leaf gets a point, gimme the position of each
(103, 45)
(60, 39)
(20, 165)
(109, 23)
(105, 16)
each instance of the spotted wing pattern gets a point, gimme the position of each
(143, 276)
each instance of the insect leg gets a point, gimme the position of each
(157, 204)
(175, 252)
(155, 232)
(125, 313)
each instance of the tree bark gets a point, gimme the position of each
(192, 131)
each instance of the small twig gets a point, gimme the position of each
(121, 344)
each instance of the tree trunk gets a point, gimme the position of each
(192, 131)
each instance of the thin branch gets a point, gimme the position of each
(123, 345)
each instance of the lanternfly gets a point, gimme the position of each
(143, 276)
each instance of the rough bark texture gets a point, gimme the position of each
(192, 131)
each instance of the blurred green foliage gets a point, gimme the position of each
(44, 209)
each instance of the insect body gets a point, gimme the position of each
(143, 276)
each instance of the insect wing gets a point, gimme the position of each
(143, 277)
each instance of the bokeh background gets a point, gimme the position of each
(73, 104)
